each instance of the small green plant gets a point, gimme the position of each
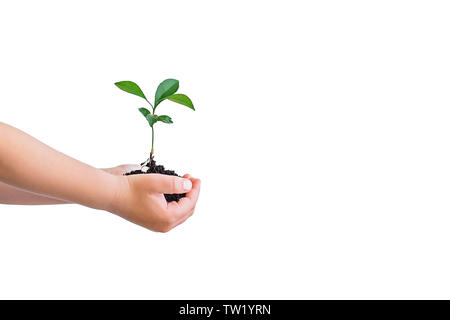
(165, 91)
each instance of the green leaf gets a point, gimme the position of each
(144, 112)
(181, 99)
(165, 89)
(165, 119)
(151, 119)
(130, 87)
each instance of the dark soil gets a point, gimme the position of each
(153, 168)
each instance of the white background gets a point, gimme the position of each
(321, 136)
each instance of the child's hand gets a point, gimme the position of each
(140, 199)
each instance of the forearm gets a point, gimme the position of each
(14, 195)
(28, 164)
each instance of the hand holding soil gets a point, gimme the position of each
(141, 200)
(33, 173)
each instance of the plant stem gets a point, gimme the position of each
(153, 139)
(151, 105)
(153, 134)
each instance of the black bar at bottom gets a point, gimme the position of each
(227, 309)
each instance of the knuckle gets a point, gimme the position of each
(170, 220)
(174, 184)
(164, 229)
(166, 223)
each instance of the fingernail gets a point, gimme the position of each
(187, 184)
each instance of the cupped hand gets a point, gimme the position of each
(140, 199)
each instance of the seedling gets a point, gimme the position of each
(165, 91)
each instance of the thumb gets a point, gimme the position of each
(161, 183)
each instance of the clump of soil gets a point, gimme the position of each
(153, 168)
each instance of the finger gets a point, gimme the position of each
(192, 199)
(183, 219)
(167, 184)
(187, 204)
(195, 191)
(182, 210)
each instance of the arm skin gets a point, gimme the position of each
(13, 195)
(28, 164)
